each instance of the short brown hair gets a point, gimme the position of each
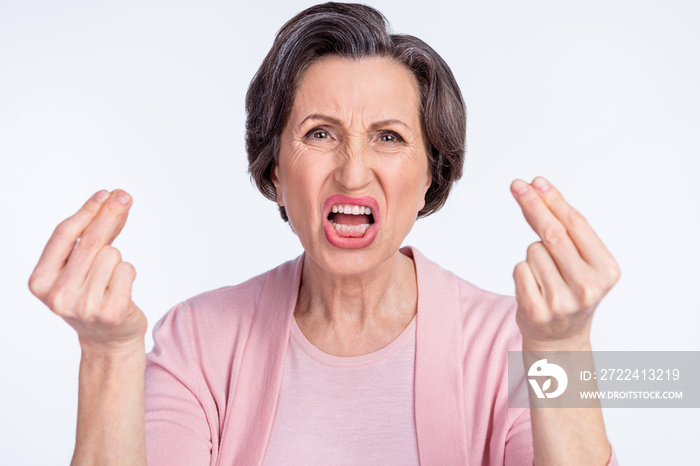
(353, 31)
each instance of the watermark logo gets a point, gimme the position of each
(542, 368)
(607, 379)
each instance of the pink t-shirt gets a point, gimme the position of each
(346, 410)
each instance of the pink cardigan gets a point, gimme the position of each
(214, 375)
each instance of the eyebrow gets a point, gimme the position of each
(334, 121)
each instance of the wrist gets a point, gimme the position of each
(576, 343)
(107, 351)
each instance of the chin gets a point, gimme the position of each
(350, 261)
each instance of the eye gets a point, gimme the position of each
(318, 133)
(390, 136)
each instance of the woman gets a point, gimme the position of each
(357, 351)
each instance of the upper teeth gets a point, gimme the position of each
(351, 209)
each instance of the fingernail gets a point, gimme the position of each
(519, 187)
(122, 198)
(100, 196)
(541, 184)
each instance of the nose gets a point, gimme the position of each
(354, 170)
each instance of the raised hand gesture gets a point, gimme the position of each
(558, 288)
(83, 279)
(565, 275)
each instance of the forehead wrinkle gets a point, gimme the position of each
(349, 108)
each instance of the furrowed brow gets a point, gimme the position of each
(384, 123)
(320, 116)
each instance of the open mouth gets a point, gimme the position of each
(351, 222)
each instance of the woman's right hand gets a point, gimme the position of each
(83, 279)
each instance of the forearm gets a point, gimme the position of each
(572, 436)
(111, 425)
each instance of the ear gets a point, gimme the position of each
(274, 175)
(425, 188)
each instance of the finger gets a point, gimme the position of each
(552, 285)
(584, 237)
(552, 232)
(98, 279)
(61, 243)
(118, 294)
(100, 232)
(528, 294)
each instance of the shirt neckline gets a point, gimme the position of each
(326, 359)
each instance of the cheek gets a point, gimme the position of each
(303, 176)
(419, 182)
(286, 173)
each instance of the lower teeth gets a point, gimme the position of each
(351, 230)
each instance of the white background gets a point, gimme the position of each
(601, 97)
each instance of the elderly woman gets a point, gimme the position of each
(358, 351)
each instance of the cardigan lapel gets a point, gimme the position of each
(439, 397)
(252, 412)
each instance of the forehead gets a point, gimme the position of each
(374, 88)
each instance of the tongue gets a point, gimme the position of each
(348, 219)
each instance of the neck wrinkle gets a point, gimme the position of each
(338, 298)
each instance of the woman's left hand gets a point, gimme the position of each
(566, 274)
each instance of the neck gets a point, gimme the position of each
(350, 315)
